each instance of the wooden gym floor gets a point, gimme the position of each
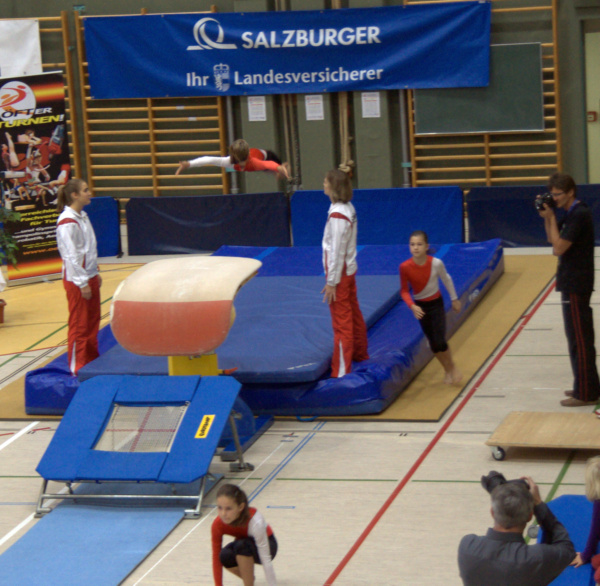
(352, 502)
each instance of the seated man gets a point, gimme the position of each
(502, 557)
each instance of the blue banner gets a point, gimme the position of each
(256, 53)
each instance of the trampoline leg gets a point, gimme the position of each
(240, 465)
(40, 510)
(194, 513)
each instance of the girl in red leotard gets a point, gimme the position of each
(254, 541)
(422, 273)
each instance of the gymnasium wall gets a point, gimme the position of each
(375, 143)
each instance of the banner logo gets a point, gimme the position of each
(221, 72)
(17, 101)
(207, 42)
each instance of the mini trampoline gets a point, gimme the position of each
(127, 429)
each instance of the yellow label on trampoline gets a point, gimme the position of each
(205, 426)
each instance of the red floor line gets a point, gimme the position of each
(433, 442)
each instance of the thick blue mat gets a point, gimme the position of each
(80, 544)
(282, 332)
(397, 346)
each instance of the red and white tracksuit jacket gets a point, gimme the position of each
(339, 262)
(79, 252)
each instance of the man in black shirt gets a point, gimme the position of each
(573, 242)
(502, 557)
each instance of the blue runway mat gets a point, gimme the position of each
(80, 544)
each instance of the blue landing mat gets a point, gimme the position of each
(282, 332)
(397, 346)
(575, 513)
(80, 544)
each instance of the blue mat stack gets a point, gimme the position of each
(281, 342)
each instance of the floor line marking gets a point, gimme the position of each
(555, 485)
(525, 319)
(199, 523)
(284, 463)
(336, 479)
(253, 495)
(16, 529)
(27, 520)
(32, 347)
(18, 435)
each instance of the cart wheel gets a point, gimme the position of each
(498, 453)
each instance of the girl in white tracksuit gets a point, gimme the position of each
(78, 249)
(339, 262)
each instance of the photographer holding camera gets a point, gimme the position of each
(572, 241)
(502, 557)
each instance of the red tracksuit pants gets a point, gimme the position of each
(84, 321)
(349, 328)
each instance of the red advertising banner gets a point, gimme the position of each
(35, 163)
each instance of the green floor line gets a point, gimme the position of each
(556, 484)
(341, 479)
(561, 475)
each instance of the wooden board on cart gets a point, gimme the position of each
(534, 429)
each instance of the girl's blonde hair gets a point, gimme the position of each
(340, 184)
(239, 151)
(64, 197)
(592, 479)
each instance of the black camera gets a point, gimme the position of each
(545, 198)
(494, 479)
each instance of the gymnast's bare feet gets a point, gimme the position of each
(453, 377)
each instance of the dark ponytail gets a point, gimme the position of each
(238, 496)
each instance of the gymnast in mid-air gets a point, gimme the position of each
(242, 158)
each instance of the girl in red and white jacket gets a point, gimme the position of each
(78, 249)
(254, 541)
(339, 262)
(422, 273)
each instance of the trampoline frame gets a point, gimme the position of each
(72, 460)
(240, 465)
